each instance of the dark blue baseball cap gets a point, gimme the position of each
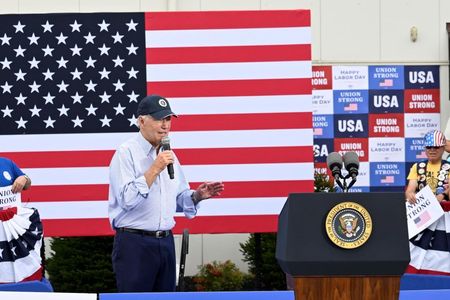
(156, 106)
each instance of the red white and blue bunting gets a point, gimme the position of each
(430, 250)
(20, 245)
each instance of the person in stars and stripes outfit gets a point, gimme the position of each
(433, 172)
(143, 200)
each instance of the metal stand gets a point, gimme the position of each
(343, 184)
(184, 251)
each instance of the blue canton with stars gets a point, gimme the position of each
(71, 73)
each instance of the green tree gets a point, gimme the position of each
(81, 264)
(272, 277)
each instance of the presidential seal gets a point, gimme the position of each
(348, 225)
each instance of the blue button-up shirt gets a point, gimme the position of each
(132, 203)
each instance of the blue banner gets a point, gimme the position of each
(323, 126)
(386, 77)
(387, 174)
(386, 101)
(321, 148)
(421, 77)
(351, 101)
(350, 125)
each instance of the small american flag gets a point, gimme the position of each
(421, 155)
(351, 107)
(422, 219)
(388, 179)
(318, 131)
(387, 83)
(240, 81)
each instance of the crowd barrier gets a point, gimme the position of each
(28, 286)
(413, 287)
(45, 296)
(441, 294)
(278, 295)
(424, 282)
(261, 295)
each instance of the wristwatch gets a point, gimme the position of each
(28, 179)
(193, 199)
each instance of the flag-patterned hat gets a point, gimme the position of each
(434, 138)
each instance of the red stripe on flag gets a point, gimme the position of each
(228, 54)
(216, 224)
(211, 88)
(76, 227)
(253, 155)
(79, 159)
(233, 189)
(221, 19)
(60, 159)
(263, 188)
(50, 193)
(228, 224)
(243, 121)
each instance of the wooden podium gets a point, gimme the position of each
(320, 269)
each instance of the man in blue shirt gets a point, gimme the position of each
(143, 201)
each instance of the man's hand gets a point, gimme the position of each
(19, 184)
(207, 190)
(159, 164)
(162, 160)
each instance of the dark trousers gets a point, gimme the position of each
(143, 263)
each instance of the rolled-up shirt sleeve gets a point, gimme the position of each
(128, 190)
(184, 199)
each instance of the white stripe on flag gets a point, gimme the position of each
(184, 139)
(229, 71)
(227, 37)
(242, 206)
(210, 207)
(231, 172)
(242, 104)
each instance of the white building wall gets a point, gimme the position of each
(344, 32)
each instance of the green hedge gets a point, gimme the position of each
(81, 265)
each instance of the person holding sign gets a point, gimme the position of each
(433, 172)
(21, 232)
(12, 175)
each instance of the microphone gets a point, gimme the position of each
(334, 163)
(351, 161)
(165, 145)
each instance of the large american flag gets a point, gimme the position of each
(240, 81)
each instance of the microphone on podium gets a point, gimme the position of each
(334, 163)
(351, 162)
(165, 145)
